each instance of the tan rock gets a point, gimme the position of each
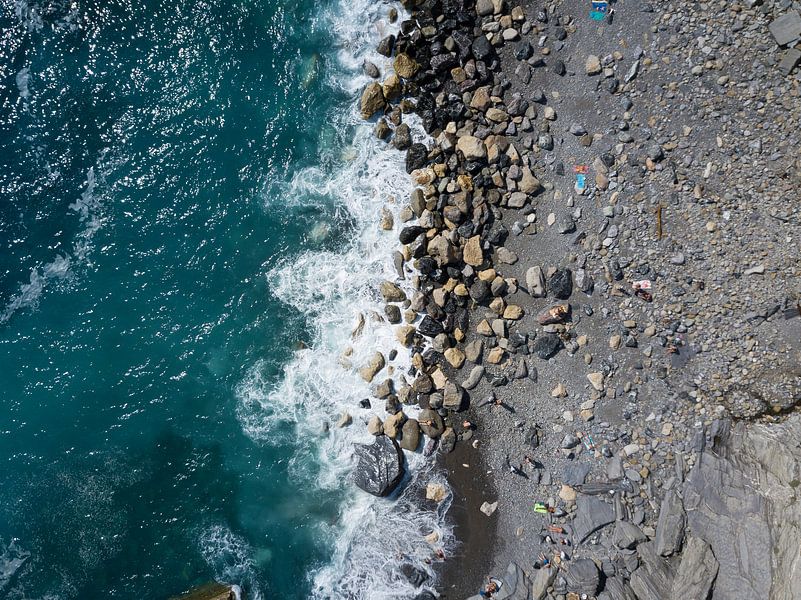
(481, 99)
(392, 87)
(567, 493)
(436, 492)
(404, 334)
(391, 292)
(376, 363)
(471, 147)
(455, 357)
(560, 391)
(472, 254)
(405, 66)
(593, 65)
(372, 100)
(375, 426)
(513, 312)
(596, 380)
(484, 328)
(495, 355)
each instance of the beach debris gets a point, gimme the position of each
(599, 9)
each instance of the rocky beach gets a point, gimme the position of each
(598, 280)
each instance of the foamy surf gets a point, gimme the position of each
(376, 543)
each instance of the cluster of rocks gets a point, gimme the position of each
(598, 334)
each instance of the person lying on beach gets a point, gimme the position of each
(492, 587)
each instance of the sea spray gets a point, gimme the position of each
(376, 543)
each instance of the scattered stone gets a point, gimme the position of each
(488, 508)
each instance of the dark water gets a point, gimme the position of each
(143, 146)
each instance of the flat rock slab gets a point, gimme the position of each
(787, 28)
(789, 61)
(724, 509)
(591, 514)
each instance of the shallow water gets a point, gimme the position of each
(188, 224)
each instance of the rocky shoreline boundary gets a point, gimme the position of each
(604, 248)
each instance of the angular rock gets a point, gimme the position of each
(471, 147)
(376, 363)
(453, 396)
(535, 282)
(405, 66)
(547, 345)
(560, 284)
(627, 535)
(697, 571)
(380, 466)
(591, 514)
(431, 423)
(429, 327)
(472, 254)
(670, 527)
(653, 579)
(372, 100)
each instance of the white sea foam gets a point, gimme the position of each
(337, 292)
(229, 556)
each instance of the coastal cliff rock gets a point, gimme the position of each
(380, 466)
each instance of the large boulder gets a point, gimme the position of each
(380, 466)
(372, 100)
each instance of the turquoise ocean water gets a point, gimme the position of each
(187, 235)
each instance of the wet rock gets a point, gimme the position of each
(386, 45)
(416, 157)
(405, 66)
(369, 371)
(410, 433)
(380, 466)
(429, 327)
(391, 292)
(372, 100)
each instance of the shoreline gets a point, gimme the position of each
(581, 245)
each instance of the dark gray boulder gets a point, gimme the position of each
(380, 466)
(582, 577)
(591, 514)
